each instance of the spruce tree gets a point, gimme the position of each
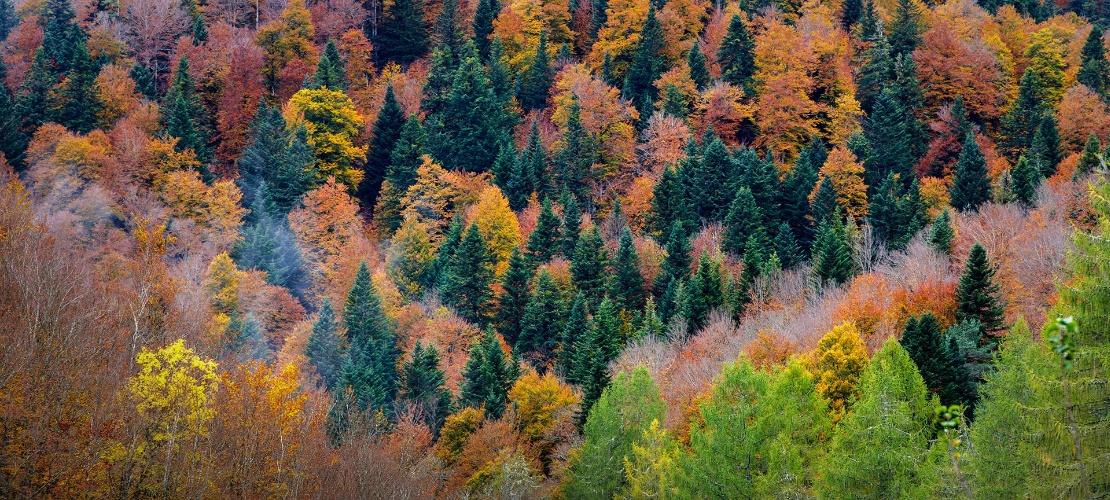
(404, 160)
(573, 164)
(537, 79)
(438, 272)
(587, 265)
(832, 258)
(183, 115)
(11, 137)
(545, 240)
(897, 213)
(487, 376)
(446, 32)
(786, 246)
(1089, 158)
(941, 235)
(938, 360)
(705, 292)
(533, 162)
(677, 262)
(519, 188)
(402, 34)
(737, 56)
(1024, 179)
(423, 386)
(502, 169)
(627, 284)
(971, 187)
(469, 276)
(484, 14)
(371, 366)
(144, 80)
(324, 349)
(707, 179)
(598, 17)
(269, 140)
(977, 295)
(850, 14)
(762, 177)
(572, 222)
(825, 202)
(331, 71)
(1044, 151)
(514, 298)
(647, 64)
(794, 203)
(1019, 124)
(76, 102)
(905, 31)
(876, 72)
(744, 219)
(8, 18)
(669, 204)
(578, 326)
(386, 133)
(1094, 70)
(891, 139)
(699, 70)
(543, 320)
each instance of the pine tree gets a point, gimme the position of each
(971, 188)
(487, 376)
(1093, 67)
(1089, 158)
(704, 293)
(572, 222)
(11, 137)
(543, 320)
(446, 32)
(331, 71)
(977, 295)
(8, 18)
(402, 33)
(183, 115)
(647, 64)
(519, 188)
(941, 235)
(938, 360)
(514, 297)
(537, 79)
(469, 276)
(737, 56)
(876, 72)
(573, 163)
(627, 285)
(677, 262)
(1044, 151)
(587, 265)
(743, 220)
(484, 15)
(544, 242)
(324, 349)
(1025, 178)
(832, 259)
(371, 366)
(422, 386)
(387, 131)
(699, 70)
(786, 246)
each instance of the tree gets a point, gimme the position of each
(484, 15)
(8, 18)
(333, 125)
(1020, 122)
(371, 367)
(836, 363)
(184, 117)
(704, 293)
(590, 355)
(536, 81)
(941, 235)
(737, 55)
(1089, 158)
(876, 72)
(616, 422)
(699, 69)
(572, 222)
(1025, 178)
(410, 258)
(977, 294)
(514, 298)
(422, 385)
(542, 324)
(488, 376)
(541, 403)
(278, 158)
(845, 177)
(287, 41)
(832, 259)
(888, 133)
(575, 154)
(627, 284)
(587, 266)
(331, 71)
(905, 31)
(1093, 67)
(446, 32)
(647, 65)
(544, 242)
(971, 187)
(403, 33)
(669, 203)
(1044, 151)
(469, 276)
(324, 349)
(897, 212)
(1047, 65)
(386, 133)
(406, 158)
(649, 471)
(882, 443)
(939, 361)
(11, 137)
(708, 179)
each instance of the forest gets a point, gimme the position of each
(571, 249)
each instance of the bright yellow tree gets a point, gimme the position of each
(287, 40)
(836, 364)
(520, 24)
(498, 225)
(333, 125)
(620, 35)
(846, 175)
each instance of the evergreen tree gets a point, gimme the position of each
(707, 179)
(762, 177)
(545, 240)
(537, 79)
(897, 213)
(438, 272)
(519, 188)
(574, 162)
(938, 360)
(183, 115)
(1044, 152)
(387, 131)
(371, 366)
(76, 102)
(469, 276)
(699, 69)
(402, 33)
(674, 103)
(905, 31)
(144, 80)
(647, 64)
(577, 327)
(1024, 178)
(786, 246)
(737, 56)
(8, 18)
(798, 184)
(446, 32)
(627, 285)
(422, 386)
(1093, 67)
(572, 222)
(404, 160)
(977, 295)
(487, 376)
(670, 204)
(598, 17)
(1019, 124)
(514, 298)
(825, 202)
(744, 219)
(889, 136)
(331, 71)
(482, 27)
(587, 265)
(543, 320)
(832, 259)
(850, 14)
(1089, 158)
(11, 137)
(533, 162)
(324, 349)
(677, 262)
(941, 235)
(971, 187)
(269, 141)
(705, 293)
(502, 169)
(907, 92)
(876, 72)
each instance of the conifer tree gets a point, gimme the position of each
(677, 262)
(545, 240)
(1093, 67)
(762, 177)
(971, 187)
(669, 204)
(422, 386)
(977, 295)
(587, 265)
(705, 293)
(446, 32)
(578, 326)
(533, 162)
(11, 137)
(183, 115)
(938, 360)
(387, 131)
(436, 276)
(794, 203)
(1021, 121)
(743, 220)
(371, 366)
(514, 297)
(572, 221)
(647, 64)
(75, 100)
(699, 69)
(1089, 158)
(627, 285)
(573, 163)
(331, 71)
(404, 160)
(402, 33)
(825, 202)
(708, 179)
(482, 27)
(889, 136)
(897, 213)
(487, 376)
(8, 18)
(324, 349)
(1024, 178)
(850, 14)
(537, 79)
(737, 55)
(876, 72)
(786, 246)
(1044, 151)
(543, 320)
(469, 276)
(905, 31)
(832, 259)
(941, 235)
(598, 17)
(519, 188)
(269, 141)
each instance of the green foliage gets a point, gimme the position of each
(905, 31)
(971, 187)
(1024, 178)
(627, 284)
(404, 160)
(737, 55)
(669, 203)
(1089, 158)
(939, 361)
(588, 265)
(1021, 121)
(572, 222)
(708, 178)
(892, 139)
(482, 27)
(897, 212)
(544, 242)
(280, 159)
(977, 295)
(514, 298)
(647, 64)
(572, 164)
(183, 115)
(403, 33)
(832, 259)
(331, 71)
(543, 320)
(469, 276)
(1093, 67)
(422, 386)
(488, 376)
(324, 349)
(447, 32)
(699, 70)
(1044, 152)
(941, 234)
(386, 134)
(704, 293)
(537, 79)
(371, 366)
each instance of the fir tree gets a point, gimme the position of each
(598, 16)
(8, 18)
(704, 293)
(543, 320)
(897, 213)
(266, 150)
(938, 360)
(1089, 158)
(587, 265)
(268, 245)
(331, 71)
(1020, 123)
(537, 79)
(578, 326)
(11, 137)
(324, 349)
(574, 162)
(404, 160)
(941, 235)
(707, 179)
(487, 376)
(533, 161)
(402, 33)
(850, 14)
(737, 55)
(876, 72)
(971, 186)
(762, 177)
(744, 219)
(545, 240)
(627, 285)
(593, 351)
(469, 276)
(677, 262)
(514, 298)
(387, 131)
(482, 27)
(674, 103)
(144, 80)
(519, 188)
(825, 203)
(669, 204)
(888, 134)
(1093, 66)
(422, 386)
(786, 246)
(647, 64)
(1024, 179)
(699, 70)
(371, 366)
(832, 258)
(1044, 151)
(438, 272)
(76, 101)
(446, 32)
(977, 295)
(572, 222)
(905, 31)
(799, 183)
(183, 115)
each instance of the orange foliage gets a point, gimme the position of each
(721, 106)
(935, 295)
(1081, 113)
(949, 67)
(846, 174)
(769, 350)
(324, 225)
(866, 305)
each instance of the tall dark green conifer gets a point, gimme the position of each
(387, 130)
(744, 219)
(184, 116)
(1044, 151)
(850, 14)
(371, 367)
(669, 204)
(627, 285)
(533, 162)
(876, 72)
(941, 234)
(1094, 70)
(469, 276)
(402, 33)
(1020, 123)
(514, 298)
(677, 262)
(905, 31)
(832, 258)
(482, 28)
(699, 69)
(488, 376)
(977, 295)
(446, 32)
(8, 18)
(939, 361)
(543, 321)
(404, 160)
(897, 213)
(324, 349)
(1088, 159)
(331, 70)
(572, 222)
(825, 204)
(422, 386)
(708, 179)
(705, 292)
(545, 240)
(647, 64)
(888, 134)
(971, 187)
(537, 79)
(737, 55)
(11, 137)
(578, 326)
(574, 162)
(1024, 179)
(587, 266)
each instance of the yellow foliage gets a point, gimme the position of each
(222, 284)
(1046, 61)
(620, 35)
(456, 431)
(604, 114)
(214, 207)
(116, 91)
(287, 39)
(326, 222)
(160, 158)
(174, 390)
(333, 124)
(538, 402)
(846, 175)
(498, 225)
(836, 365)
(520, 24)
(433, 198)
(682, 22)
(650, 469)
